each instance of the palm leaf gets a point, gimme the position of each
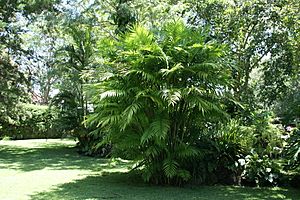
(129, 113)
(158, 129)
(142, 75)
(170, 167)
(171, 96)
(173, 70)
(184, 174)
(112, 93)
(185, 151)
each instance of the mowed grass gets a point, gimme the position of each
(40, 169)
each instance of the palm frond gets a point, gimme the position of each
(185, 151)
(153, 151)
(175, 69)
(129, 113)
(184, 174)
(112, 93)
(158, 129)
(110, 120)
(171, 96)
(170, 167)
(143, 75)
(152, 96)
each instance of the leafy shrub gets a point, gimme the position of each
(218, 163)
(234, 153)
(288, 108)
(32, 121)
(223, 148)
(292, 150)
(264, 148)
(92, 144)
(69, 122)
(267, 136)
(69, 112)
(261, 170)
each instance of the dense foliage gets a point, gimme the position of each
(161, 91)
(205, 91)
(32, 121)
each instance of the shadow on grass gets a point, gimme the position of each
(53, 156)
(124, 186)
(114, 185)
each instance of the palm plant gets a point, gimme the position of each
(156, 92)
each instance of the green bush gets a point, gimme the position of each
(69, 122)
(234, 153)
(69, 113)
(222, 149)
(292, 150)
(261, 170)
(92, 144)
(292, 157)
(264, 146)
(31, 122)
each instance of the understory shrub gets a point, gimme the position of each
(31, 122)
(69, 122)
(92, 145)
(234, 153)
(261, 170)
(292, 157)
(292, 150)
(69, 113)
(222, 150)
(263, 143)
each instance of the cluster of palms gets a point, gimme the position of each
(157, 94)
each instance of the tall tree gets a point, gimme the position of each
(259, 40)
(13, 80)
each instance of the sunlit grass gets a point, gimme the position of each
(40, 169)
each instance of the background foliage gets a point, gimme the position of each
(32, 121)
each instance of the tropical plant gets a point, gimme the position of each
(288, 107)
(156, 94)
(292, 150)
(224, 148)
(261, 170)
(73, 58)
(263, 150)
(69, 114)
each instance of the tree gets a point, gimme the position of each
(258, 36)
(14, 82)
(155, 95)
(76, 57)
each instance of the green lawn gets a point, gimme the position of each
(40, 169)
